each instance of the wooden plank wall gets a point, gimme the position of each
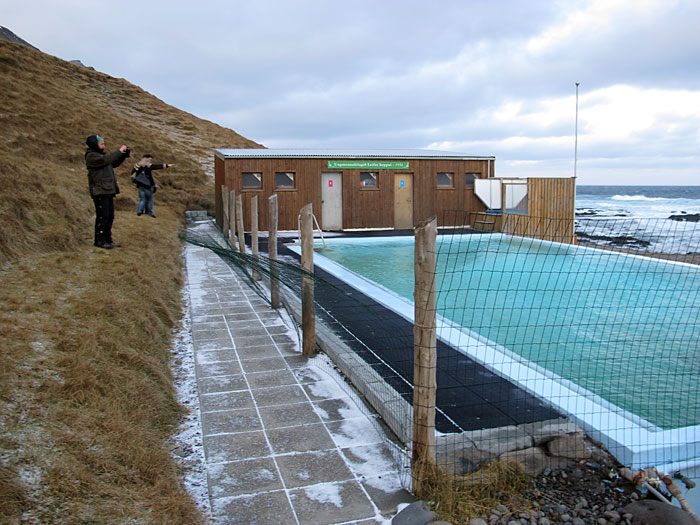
(551, 207)
(362, 208)
(219, 179)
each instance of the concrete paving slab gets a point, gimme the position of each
(331, 503)
(244, 477)
(300, 470)
(260, 509)
(221, 448)
(279, 395)
(304, 438)
(231, 421)
(257, 352)
(264, 365)
(220, 368)
(225, 401)
(271, 378)
(289, 415)
(209, 385)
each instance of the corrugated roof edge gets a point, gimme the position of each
(256, 153)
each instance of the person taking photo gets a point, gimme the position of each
(103, 186)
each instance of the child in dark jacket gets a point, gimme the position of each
(142, 176)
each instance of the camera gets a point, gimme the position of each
(127, 152)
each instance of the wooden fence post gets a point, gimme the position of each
(224, 210)
(272, 254)
(239, 216)
(424, 351)
(232, 220)
(308, 318)
(254, 235)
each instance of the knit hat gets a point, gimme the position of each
(93, 142)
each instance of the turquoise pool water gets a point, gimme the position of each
(624, 328)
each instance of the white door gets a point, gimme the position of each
(332, 201)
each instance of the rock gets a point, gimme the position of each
(417, 513)
(548, 430)
(570, 446)
(532, 459)
(462, 461)
(686, 217)
(612, 516)
(477, 521)
(652, 512)
(500, 440)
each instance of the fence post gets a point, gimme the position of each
(239, 217)
(224, 209)
(254, 236)
(272, 253)
(232, 220)
(308, 319)
(424, 351)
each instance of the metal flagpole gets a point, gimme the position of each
(576, 133)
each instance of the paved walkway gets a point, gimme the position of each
(284, 442)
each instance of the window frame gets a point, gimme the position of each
(475, 175)
(293, 187)
(451, 175)
(372, 187)
(251, 188)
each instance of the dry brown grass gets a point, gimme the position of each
(457, 499)
(86, 396)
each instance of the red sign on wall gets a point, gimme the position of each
(330, 183)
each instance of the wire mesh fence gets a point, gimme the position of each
(605, 333)
(552, 342)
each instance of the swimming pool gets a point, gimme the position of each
(610, 339)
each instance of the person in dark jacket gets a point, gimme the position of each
(103, 186)
(142, 176)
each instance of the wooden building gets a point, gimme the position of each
(353, 188)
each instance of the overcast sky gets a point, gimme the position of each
(478, 77)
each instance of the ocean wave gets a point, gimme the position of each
(637, 198)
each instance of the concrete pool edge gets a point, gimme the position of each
(632, 440)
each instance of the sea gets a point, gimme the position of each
(652, 218)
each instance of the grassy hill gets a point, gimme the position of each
(86, 397)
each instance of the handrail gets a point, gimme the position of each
(317, 227)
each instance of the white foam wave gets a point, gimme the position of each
(636, 198)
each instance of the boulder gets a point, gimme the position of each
(569, 446)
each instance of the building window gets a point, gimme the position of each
(445, 180)
(252, 181)
(284, 180)
(368, 180)
(469, 179)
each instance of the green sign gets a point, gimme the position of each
(368, 164)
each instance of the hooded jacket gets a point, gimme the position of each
(100, 166)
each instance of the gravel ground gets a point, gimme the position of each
(586, 493)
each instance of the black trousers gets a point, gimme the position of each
(104, 217)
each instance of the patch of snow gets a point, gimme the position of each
(186, 444)
(325, 493)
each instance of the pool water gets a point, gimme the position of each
(625, 328)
